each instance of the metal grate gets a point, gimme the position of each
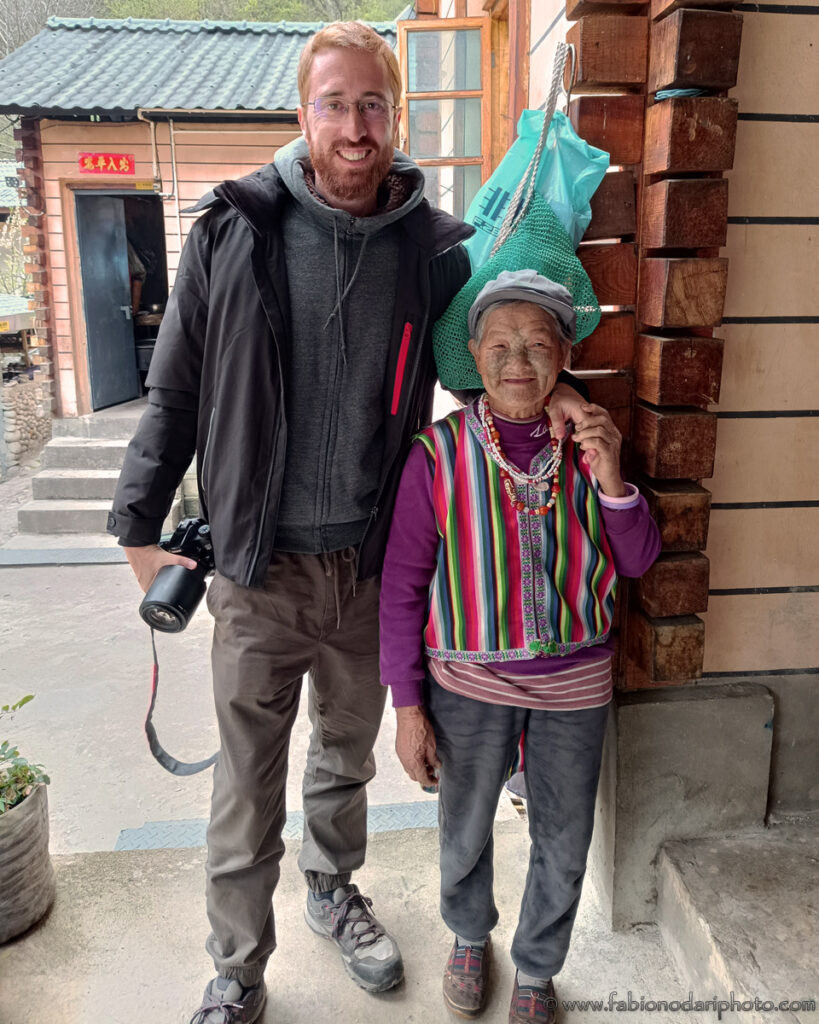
(167, 835)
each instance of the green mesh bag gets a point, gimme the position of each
(539, 242)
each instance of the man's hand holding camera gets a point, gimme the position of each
(147, 561)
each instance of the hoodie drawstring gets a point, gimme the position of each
(338, 309)
(332, 562)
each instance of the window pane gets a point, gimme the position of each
(442, 128)
(443, 61)
(452, 188)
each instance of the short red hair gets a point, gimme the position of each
(349, 35)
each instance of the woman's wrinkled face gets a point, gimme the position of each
(518, 357)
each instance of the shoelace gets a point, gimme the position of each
(535, 1001)
(470, 957)
(201, 1015)
(342, 915)
(466, 967)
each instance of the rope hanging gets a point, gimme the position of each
(520, 202)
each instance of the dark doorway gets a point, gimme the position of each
(124, 284)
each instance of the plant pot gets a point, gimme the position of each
(26, 874)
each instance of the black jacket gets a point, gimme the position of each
(216, 378)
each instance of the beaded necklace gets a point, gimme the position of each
(509, 472)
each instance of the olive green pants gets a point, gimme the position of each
(310, 617)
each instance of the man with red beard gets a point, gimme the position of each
(295, 357)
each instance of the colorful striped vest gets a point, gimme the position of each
(510, 586)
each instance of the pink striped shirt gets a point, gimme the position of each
(587, 685)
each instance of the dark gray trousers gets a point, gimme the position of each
(477, 744)
(310, 617)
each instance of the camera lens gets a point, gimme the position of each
(172, 597)
(166, 620)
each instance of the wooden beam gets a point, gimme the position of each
(682, 292)
(519, 33)
(612, 123)
(693, 49)
(690, 133)
(614, 392)
(580, 8)
(681, 509)
(612, 49)
(674, 444)
(499, 100)
(666, 650)
(678, 371)
(662, 8)
(612, 270)
(760, 632)
(613, 207)
(685, 213)
(677, 584)
(764, 547)
(609, 347)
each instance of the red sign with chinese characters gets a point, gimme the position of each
(106, 163)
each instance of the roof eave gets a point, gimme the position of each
(158, 113)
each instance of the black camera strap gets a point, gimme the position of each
(160, 753)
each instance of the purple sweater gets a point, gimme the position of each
(409, 563)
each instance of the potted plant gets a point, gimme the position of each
(26, 874)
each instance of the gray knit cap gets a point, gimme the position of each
(526, 286)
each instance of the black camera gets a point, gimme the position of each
(175, 593)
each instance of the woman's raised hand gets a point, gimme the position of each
(599, 439)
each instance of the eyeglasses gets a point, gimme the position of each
(330, 108)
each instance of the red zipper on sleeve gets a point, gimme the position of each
(402, 365)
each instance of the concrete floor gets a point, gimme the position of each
(124, 943)
(73, 638)
(14, 492)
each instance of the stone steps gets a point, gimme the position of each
(74, 484)
(84, 453)
(738, 915)
(116, 423)
(72, 493)
(45, 516)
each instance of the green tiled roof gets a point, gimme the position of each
(81, 66)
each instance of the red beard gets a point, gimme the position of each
(352, 183)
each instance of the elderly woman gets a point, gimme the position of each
(496, 605)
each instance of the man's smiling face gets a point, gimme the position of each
(351, 157)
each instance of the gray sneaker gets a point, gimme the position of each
(226, 1002)
(369, 953)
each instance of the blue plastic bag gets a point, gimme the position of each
(568, 175)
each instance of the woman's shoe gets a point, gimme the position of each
(466, 978)
(533, 1005)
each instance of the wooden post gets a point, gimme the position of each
(681, 294)
(611, 38)
(685, 213)
(681, 509)
(678, 370)
(693, 49)
(611, 49)
(690, 133)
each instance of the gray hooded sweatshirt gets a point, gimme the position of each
(342, 281)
